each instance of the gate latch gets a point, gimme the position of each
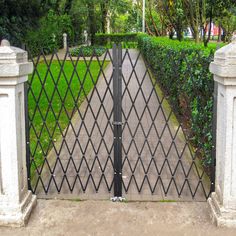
(117, 123)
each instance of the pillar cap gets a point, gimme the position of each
(224, 64)
(13, 63)
(9, 54)
(227, 54)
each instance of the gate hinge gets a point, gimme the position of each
(118, 199)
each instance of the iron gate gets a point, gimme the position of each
(100, 127)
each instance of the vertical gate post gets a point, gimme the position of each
(117, 123)
(16, 202)
(223, 201)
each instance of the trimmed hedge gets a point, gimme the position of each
(182, 70)
(87, 51)
(104, 39)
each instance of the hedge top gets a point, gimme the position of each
(180, 46)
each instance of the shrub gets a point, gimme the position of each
(182, 70)
(49, 35)
(108, 39)
(87, 51)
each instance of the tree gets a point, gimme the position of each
(195, 15)
(228, 23)
(16, 17)
(173, 11)
(91, 19)
(119, 12)
(105, 15)
(68, 5)
(157, 24)
(200, 15)
(224, 15)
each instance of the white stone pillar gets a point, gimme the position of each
(65, 41)
(16, 202)
(223, 201)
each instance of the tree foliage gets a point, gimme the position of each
(198, 15)
(16, 17)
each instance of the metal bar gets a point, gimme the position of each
(215, 99)
(117, 93)
(27, 134)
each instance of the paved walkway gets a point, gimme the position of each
(86, 153)
(104, 218)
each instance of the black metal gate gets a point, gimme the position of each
(101, 127)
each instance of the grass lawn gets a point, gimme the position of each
(52, 98)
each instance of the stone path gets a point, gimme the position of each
(156, 159)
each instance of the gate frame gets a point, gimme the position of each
(118, 79)
(117, 123)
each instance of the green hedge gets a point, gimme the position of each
(106, 39)
(87, 51)
(182, 70)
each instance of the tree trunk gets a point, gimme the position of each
(149, 30)
(195, 33)
(157, 33)
(224, 35)
(179, 33)
(92, 20)
(68, 6)
(219, 33)
(207, 40)
(108, 22)
(194, 15)
(197, 36)
(104, 6)
(171, 33)
(104, 14)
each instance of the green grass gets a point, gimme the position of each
(167, 201)
(48, 113)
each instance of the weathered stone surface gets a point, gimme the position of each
(16, 202)
(223, 201)
(104, 218)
